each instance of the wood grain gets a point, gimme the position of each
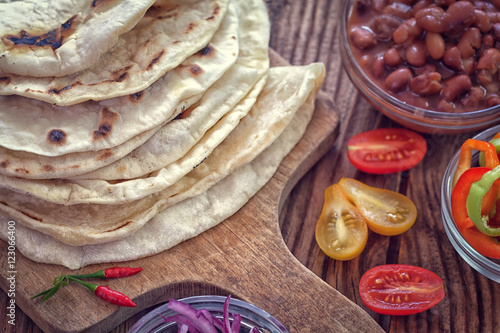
(304, 31)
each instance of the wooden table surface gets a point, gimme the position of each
(305, 31)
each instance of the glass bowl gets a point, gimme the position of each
(484, 265)
(412, 117)
(250, 316)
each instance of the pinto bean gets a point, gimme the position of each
(384, 25)
(474, 97)
(426, 84)
(407, 32)
(469, 42)
(362, 37)
(453, 59)
(435, 45)
(482, 20)
(392, 57)
(416, 54)
(458, 16)
(421, 5)
(398, 80)
(493, 100)
(398, 9)
(488, 40)
(489, 60)
(430, 19)
(456, 86)
(378, 66)
(445, 106)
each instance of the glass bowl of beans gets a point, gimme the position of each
(431, 65)
(488, 266)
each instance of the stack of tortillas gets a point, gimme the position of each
(127, 127)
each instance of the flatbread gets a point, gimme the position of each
(176, 137)
(84, 224)
(169, 228)
(37, 127)
(56, 38)
(169, 32)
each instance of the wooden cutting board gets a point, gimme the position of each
(245, 256)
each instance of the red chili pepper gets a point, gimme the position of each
(113, 296)
(107, 294)
(118, 272)
(113, 272)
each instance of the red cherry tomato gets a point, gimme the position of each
(400, 289)
(386, 150)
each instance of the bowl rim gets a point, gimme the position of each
(214, 303)
(480, 263)
(377, 95)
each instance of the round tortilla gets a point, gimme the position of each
(61, 37)
(169, 32)
(176, 137)
(37, 127)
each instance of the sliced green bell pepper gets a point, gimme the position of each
(475, 200)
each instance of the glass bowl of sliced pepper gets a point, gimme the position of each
(470, 201)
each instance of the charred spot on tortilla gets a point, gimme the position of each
(4, 164)
(33, 90)
(194, 69)
(155, 59)
(207, 51)
(108, 119)
(48, 168)
(23, 171)
(58, 91)
(137, 97)
(102, 4)
(121, 74)
(5, 80)
(57, 137)
(54, 38)
(216, 9)
(155, 10)
(190, 28)
(105, 155)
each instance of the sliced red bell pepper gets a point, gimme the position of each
(484, 244)
(465, 158)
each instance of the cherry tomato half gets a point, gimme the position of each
(386, 212)
(386, 150)
(341, 230)
(400, 289)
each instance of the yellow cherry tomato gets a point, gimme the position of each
(386, 212)
(341, 230)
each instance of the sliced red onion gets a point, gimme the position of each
(191, 320)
